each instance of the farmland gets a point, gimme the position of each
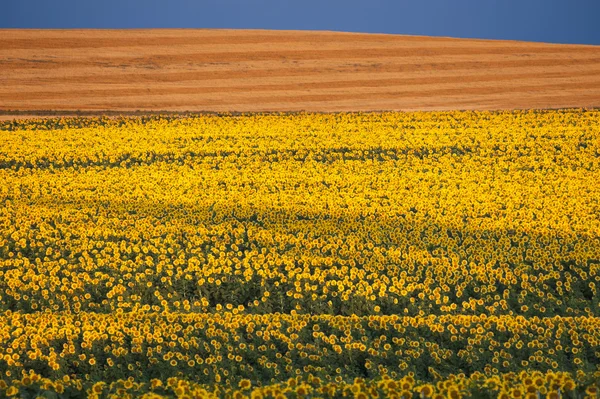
(70, 71)
(417, 254)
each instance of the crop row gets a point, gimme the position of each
(229, 347)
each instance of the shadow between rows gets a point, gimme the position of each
(422, 246)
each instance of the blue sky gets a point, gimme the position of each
(559, 21)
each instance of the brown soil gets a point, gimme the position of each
(253, 70)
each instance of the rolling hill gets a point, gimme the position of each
(253, 70)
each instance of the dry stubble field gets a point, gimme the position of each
(221, 70)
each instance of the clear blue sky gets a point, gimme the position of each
(560, 21)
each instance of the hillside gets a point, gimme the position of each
(235, 70)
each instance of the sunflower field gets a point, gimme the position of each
(357, 255)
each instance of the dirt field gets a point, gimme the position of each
(234, 70)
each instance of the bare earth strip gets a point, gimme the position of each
(89, 71)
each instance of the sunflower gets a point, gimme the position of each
(155, 383)
(406, 394)
(426, 390)
(301, 390)
(569, 385)
(503, 395)
(453, 393)
(98, 387)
